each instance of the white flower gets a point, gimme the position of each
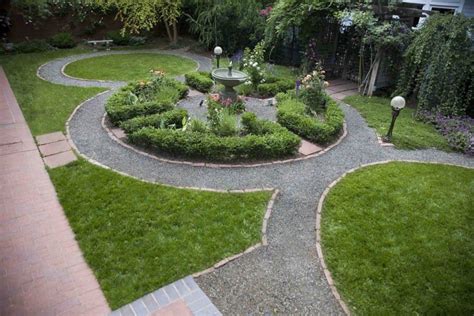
(258, 68)
(255, 64)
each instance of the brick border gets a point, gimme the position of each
(319, 211)
(215, 165)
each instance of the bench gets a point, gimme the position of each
(101, 42)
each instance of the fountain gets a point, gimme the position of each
(230, 79)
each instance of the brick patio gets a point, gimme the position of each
(42, 271)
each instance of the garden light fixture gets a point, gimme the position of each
(218, 53)
(397, 104)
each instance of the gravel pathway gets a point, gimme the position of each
(284, 277)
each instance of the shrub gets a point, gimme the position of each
(33, 46)
(253, 63)
(199, 126)
(140, 98)
(169, 119)
(119, 38)
(437, 69)
(210, 146)
(313, 93)
(293, 115)
(62, 40)
(199, 81)
(226, 125)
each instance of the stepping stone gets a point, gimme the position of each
(60, 159)
(118, 132)
(308, 148)
(54, 148)
(50, 138)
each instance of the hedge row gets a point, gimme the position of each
(200, 81)
(125, 105)
(293, 115)
(170, 119)
(273, 142)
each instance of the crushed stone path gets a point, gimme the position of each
(284, 277)
(42, 270)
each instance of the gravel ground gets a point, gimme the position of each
(284, 277)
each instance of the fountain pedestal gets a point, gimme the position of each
(229, 79)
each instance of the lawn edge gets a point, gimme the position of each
(319, 211)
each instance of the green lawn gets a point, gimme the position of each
(46, 106)
(135, 236)
(407, 134)
(399, 239)
(129, 67)
(138, 236)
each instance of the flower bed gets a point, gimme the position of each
(146, 112)
(312, 115)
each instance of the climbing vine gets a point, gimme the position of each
(438, 70)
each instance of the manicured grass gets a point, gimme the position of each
(138, 236)
(129, 66)
(398, 239)
(407, 134)
(46, 106)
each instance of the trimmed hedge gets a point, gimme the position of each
(173, 118)
(273, 142)
(293, 115)
(200, 81)
(125, 104)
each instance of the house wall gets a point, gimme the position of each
(464, 6)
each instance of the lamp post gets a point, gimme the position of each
(397, 104)
(218, 53)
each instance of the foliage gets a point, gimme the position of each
(313, 93)
(397, 239)
(271, 88)
(253, 64)
(215, 102)
(226, 125)
(139, 236)
(169, 119)
(228, 23)
(157, 95)
(408, 132)
(119, 38)
(200, 81)
(62, 40)
(126, 67)
(275, 143)
(33, 46)
(293, 114)
(438, 68)
(458, 130)
(46, 106)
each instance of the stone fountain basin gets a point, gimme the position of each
(221, 75)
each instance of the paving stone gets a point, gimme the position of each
(150, 303)
(50, 138)
(60, 159)
(177, 308)
(54, 148)
(161, 297)
(139, 308)
(171, 292)
(308, 148)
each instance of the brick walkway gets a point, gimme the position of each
(42, 271)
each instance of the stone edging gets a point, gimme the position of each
(264, 241)
(319, 210)
(214, 165)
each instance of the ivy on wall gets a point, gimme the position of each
(438, 69)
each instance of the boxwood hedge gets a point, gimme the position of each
(200, 81)
(262, 140)
(292, 114)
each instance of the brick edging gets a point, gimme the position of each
(319, 210)
(214, 165)
(263, 242)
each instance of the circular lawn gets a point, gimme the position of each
(128, 67)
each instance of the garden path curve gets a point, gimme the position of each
(285, 276)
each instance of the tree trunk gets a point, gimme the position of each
(175, 33)
(168, 31)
